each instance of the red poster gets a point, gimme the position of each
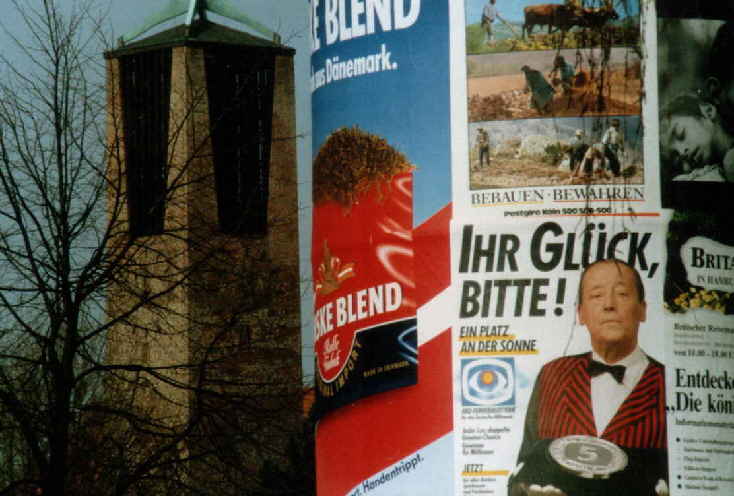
(364, 312)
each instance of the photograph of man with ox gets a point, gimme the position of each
(588, 62)
(550, 25)
(553, 152)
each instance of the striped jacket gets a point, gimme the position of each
(561, 406)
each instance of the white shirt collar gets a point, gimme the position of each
(636, 357)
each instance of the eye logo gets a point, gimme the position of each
(488, 382)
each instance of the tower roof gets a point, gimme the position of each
(200, 32)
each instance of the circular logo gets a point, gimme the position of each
(487, 381)
(588, 457)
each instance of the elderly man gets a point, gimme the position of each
(615, 392)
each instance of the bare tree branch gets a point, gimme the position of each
(108, 383)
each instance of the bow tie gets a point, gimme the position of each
(597, 368)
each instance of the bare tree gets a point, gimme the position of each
(107, 384)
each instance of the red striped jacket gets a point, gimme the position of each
(561, 406)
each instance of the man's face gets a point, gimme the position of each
(610, 308)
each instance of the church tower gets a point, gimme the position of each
(203, 202)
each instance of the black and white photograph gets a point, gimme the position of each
(696, 93)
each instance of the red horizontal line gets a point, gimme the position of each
(633, 214)
(600, 200)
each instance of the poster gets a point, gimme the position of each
(380, 170)
(700, 344)
(553, 110)
(522, 346)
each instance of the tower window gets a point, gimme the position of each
(146, 88)
(240, 83)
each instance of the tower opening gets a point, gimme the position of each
(240, 83)
(145, 82)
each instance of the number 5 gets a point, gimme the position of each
(587, 454)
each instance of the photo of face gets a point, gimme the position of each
(692, 134)
(696, 108)
(691, 140)
(611, 308)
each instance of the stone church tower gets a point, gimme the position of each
(203, 202)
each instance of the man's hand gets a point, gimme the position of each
(523, 489)
(537, 490)
(661, 488)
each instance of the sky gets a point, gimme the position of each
(290, 19)
(512, 10)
